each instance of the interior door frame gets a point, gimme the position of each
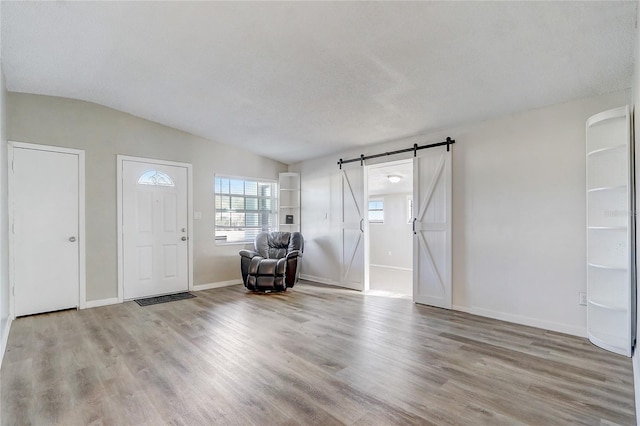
(120, 159)
(82, 254)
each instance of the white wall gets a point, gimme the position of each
(390, 243)
(103, 133)
(636, 111)
(518, 213)
(4, 240)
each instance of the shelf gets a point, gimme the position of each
(610, 267)
(289, 200)
(610, 342)
(608, 188)
(609, 148)
(607, 306)
(613, 228)
(616, 268)
(607, 115)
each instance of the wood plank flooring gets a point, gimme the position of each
(313, 355)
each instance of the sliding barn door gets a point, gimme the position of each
(432, 227)
(352, 227)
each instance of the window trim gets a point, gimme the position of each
(272, 212)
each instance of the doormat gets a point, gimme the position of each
(163, 299)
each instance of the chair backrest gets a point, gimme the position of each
(276, 245)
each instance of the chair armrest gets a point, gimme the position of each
(248, 254)
(281, 266)
(294, 253)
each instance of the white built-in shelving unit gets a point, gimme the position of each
(610, 232)
(289, 201)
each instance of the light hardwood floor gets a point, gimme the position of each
(313, 355)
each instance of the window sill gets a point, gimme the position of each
(235, 243)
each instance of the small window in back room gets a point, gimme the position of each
(376, 211)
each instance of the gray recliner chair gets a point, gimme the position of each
(273, 266)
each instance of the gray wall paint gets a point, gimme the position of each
(519, 246)
(103, 133)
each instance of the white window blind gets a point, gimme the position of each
(243, 208)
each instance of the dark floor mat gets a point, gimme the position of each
(164, 299)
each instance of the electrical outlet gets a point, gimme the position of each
(583, 298)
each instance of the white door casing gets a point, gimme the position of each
(432, 223)
(46, 193)
(352, 223)
(154, 228)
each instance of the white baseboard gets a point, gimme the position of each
(319, 280)
(219, 284)
(101, 302)
(5, 339)
(519, 319)
(398, 268)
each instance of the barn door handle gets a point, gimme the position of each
(414, 224)
(72, 239)
(361, 225)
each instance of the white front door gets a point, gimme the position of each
(432, 227)
(45, 192)
(352, 228)
(154, 229)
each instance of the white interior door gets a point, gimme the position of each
(352, 227)
(154, 229)
(45, 189)
(432, 227)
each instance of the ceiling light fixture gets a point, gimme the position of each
(394, 178)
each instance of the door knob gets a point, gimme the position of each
(184, 238)
(72, 239)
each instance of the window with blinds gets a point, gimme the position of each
(243, 208)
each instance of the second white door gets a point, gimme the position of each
(154, 229)
(46, 228)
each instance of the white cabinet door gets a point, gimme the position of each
(352, 228)
(432, 227)
(154, 219)
(45, 194)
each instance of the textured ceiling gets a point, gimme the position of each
(378, 178)
(296, 80)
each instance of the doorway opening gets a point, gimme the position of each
(389, 200)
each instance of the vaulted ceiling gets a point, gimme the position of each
(296, 80)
